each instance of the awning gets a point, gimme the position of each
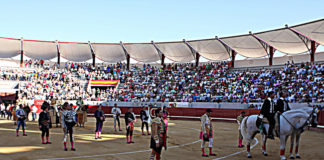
(9, 47)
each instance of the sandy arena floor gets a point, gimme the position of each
(183, 143)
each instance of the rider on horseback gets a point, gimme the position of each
(282, 103)
(281, 107)
(268, 111)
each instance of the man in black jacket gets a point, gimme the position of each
(129, 120)
(144, 114)
(44, 122)
(268, 110)
(100, 118)
(282, 104)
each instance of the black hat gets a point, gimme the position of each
(270, 93)
(45, 105)
(209, 111)
(242, 112)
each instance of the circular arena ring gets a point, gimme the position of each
(183, 143)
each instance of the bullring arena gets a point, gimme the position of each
(183, 140)
(62, 96)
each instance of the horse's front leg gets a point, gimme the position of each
(248, 149)
(264, 144)
(297, 144)
(283, 140)
(292, 139)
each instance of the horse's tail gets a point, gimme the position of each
(243, 129)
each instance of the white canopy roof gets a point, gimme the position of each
(176, 51)
(246, 45)
(284, 40)
(111, 53)
(290, 40)
(40, 49)
(144, 52)
(210, 49)
(9, 47)
(314, 30)
(77, 52)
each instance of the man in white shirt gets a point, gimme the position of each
(34, 111)
(3, 110)
(116, 114)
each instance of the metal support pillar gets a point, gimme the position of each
(194, 52)
(126, 54)
(93, 54)
(21, 52)
(233, 58)
(128, 61)
(270, 55)
(312, 51)
(58, 54)
(161, 55)
(197, 59)
(162, 59)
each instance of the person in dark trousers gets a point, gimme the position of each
(100, 118)
(10, 110)
(44, 122)
(68, 122)
(27, 111)
(268, 111)
(21, 117)
(129, 120)
(144, 114)
(281, 107)
(165, 117)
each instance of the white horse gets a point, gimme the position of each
(291, 123)
(297, 133)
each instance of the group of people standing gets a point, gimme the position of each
(159, 123)
(68, 121)
(159, 126)
(67, 117)
(64, 114)
(9, 110)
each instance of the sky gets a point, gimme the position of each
(146, 20)
(107, 21)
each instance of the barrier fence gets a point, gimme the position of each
(195, 113)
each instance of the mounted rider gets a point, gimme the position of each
(268, 111)
(282, 103)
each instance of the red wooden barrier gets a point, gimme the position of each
(198, 112)
(192, 112)
(321, 118)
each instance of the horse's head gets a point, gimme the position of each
(310, 113)
(313, 117)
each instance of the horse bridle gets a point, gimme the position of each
(305, 124)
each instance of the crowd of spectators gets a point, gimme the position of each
(210, 82)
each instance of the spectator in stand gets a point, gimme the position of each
(210, 82)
